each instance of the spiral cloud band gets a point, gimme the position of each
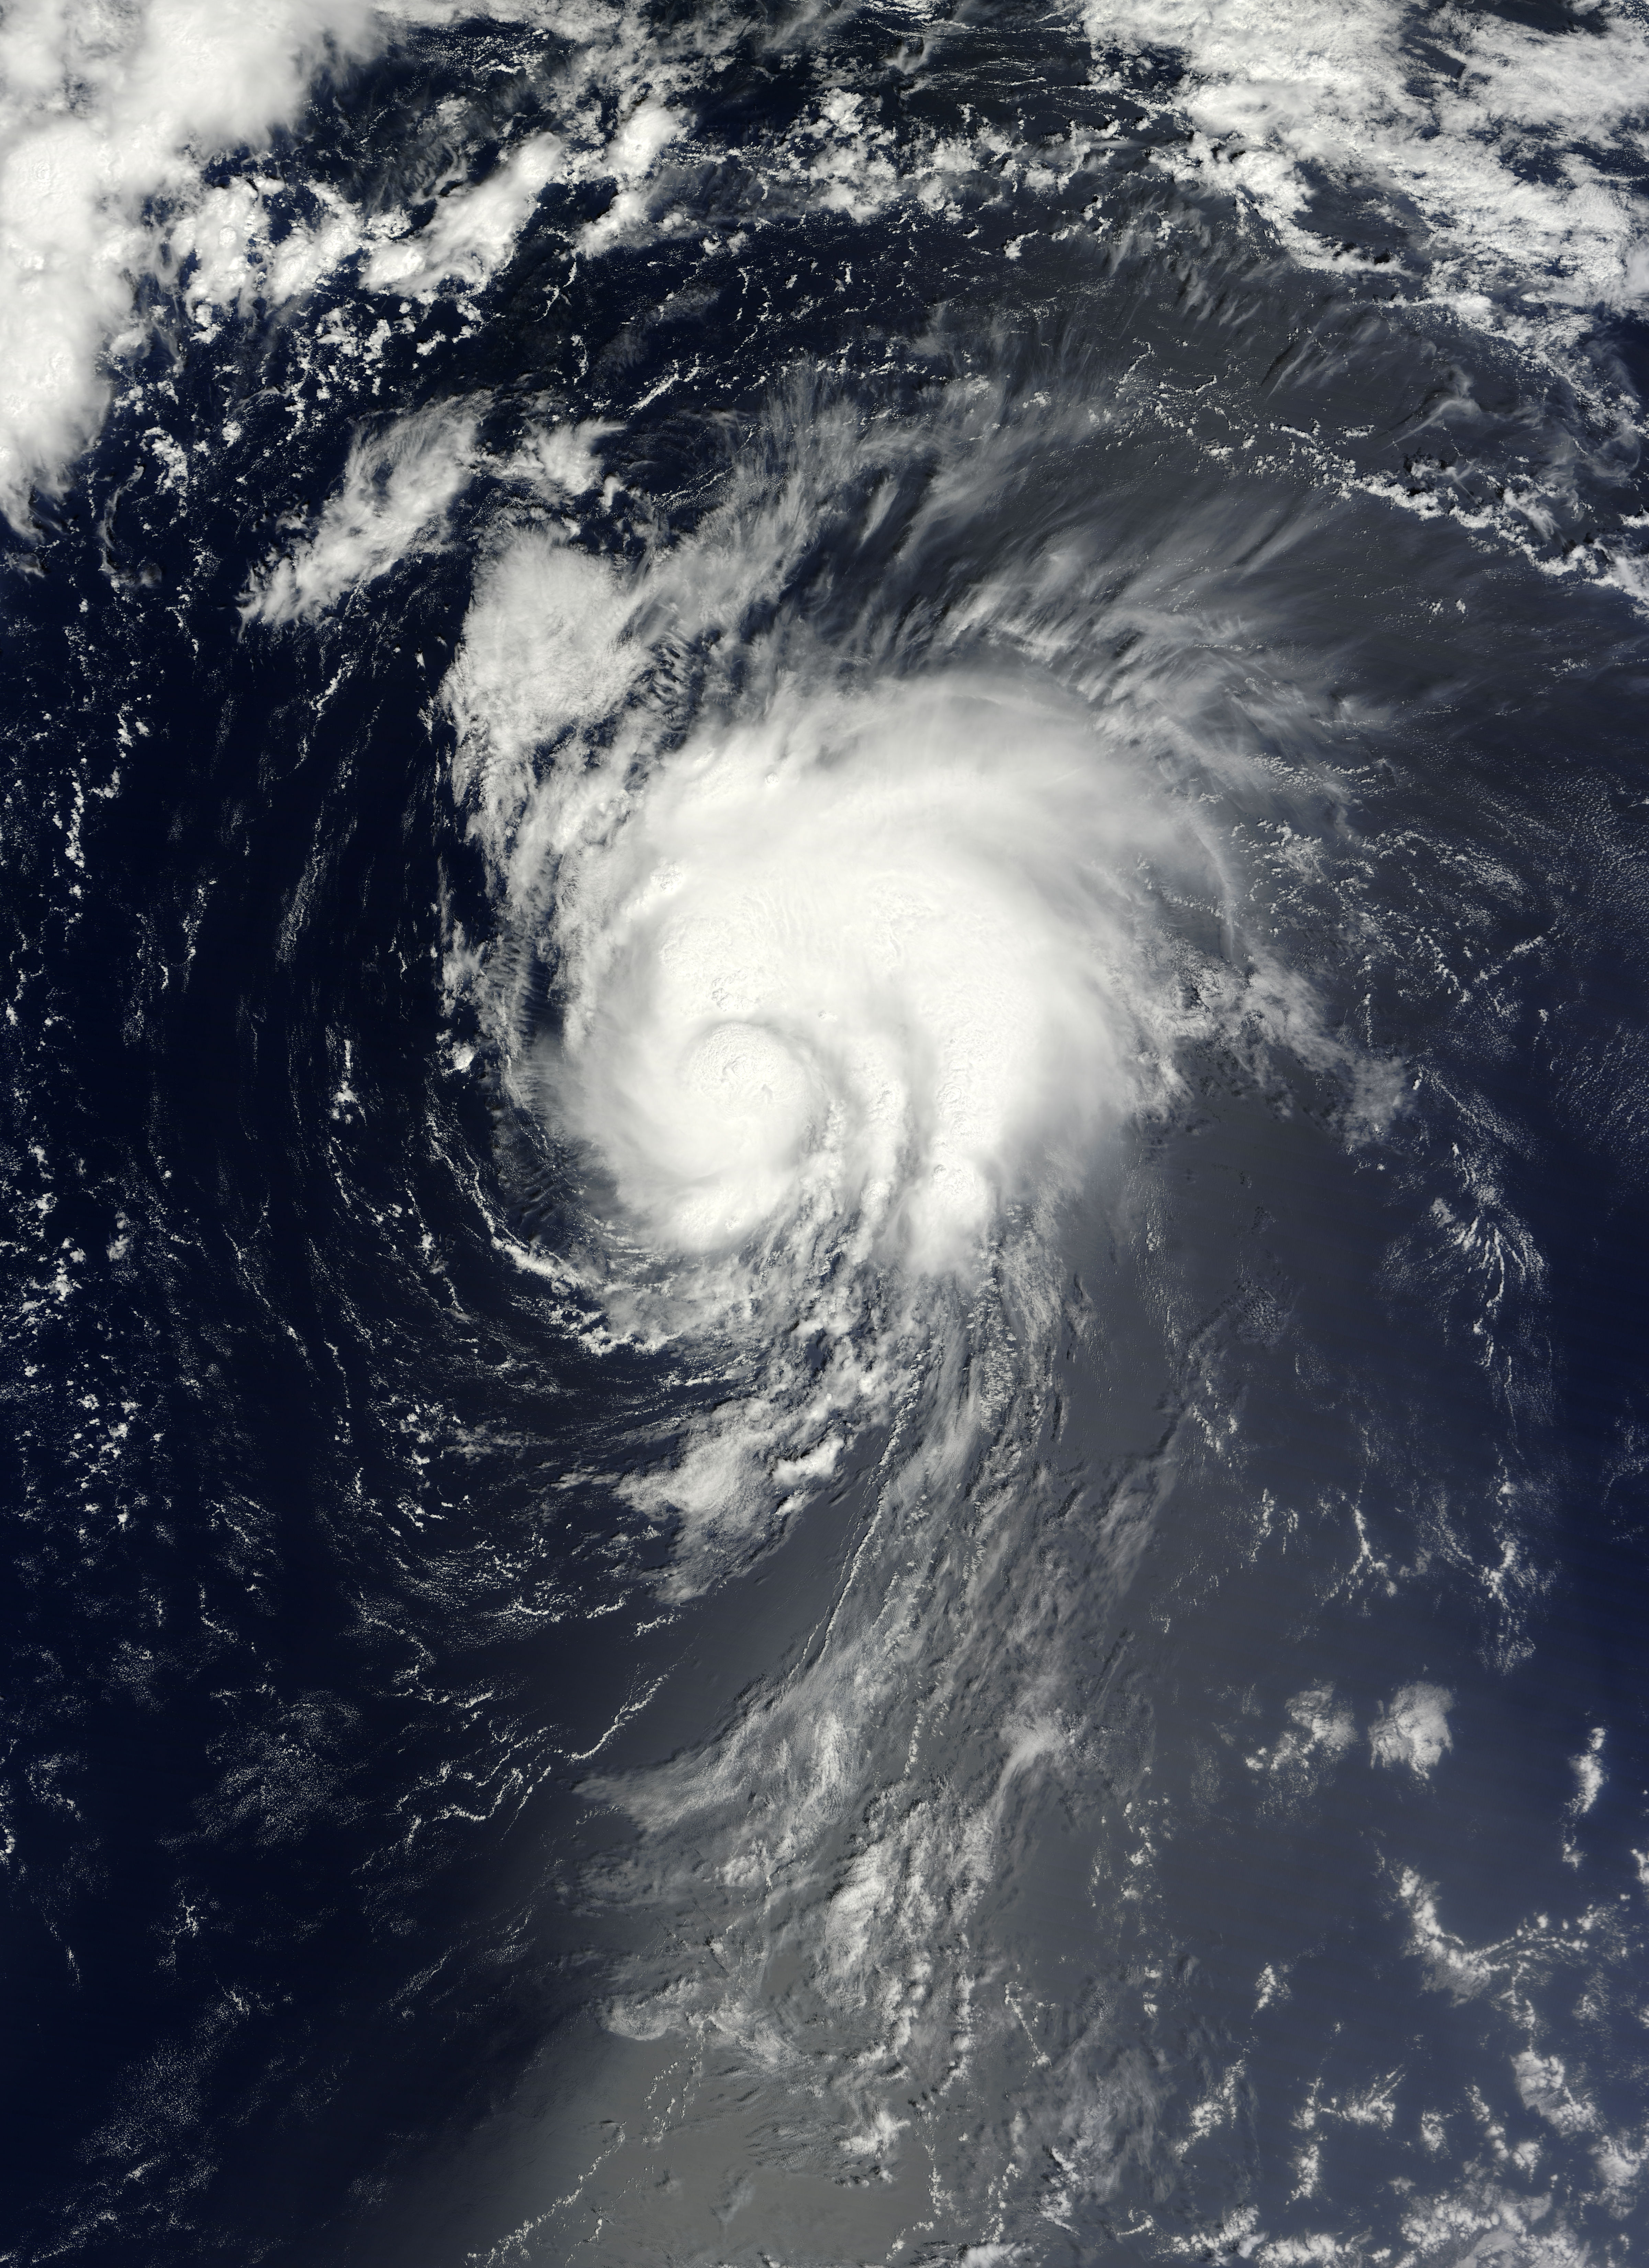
(825, 979)
(836, 978)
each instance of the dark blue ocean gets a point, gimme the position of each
(825, 868)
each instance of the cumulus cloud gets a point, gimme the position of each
(102, 109)
(1439, 145)
(630, 155)
(1320, 1729)
(1414, 1730)
(393, 503)
(474, 229)
(1543, 2083)
(108, 114)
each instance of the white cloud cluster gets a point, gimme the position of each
(849, 964)
(1500, 146)
(103, 107)
(841, 980)
(110, 110)
(1414, 1730)
(855, 959)
(398, 488)
(474, 229)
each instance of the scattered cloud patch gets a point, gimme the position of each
(103, 112)
(397, 489)
(1414, 1730)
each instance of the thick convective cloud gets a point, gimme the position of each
(848, 992)
(847, 975)
(830, 970)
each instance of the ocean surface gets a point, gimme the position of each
(825, 872)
